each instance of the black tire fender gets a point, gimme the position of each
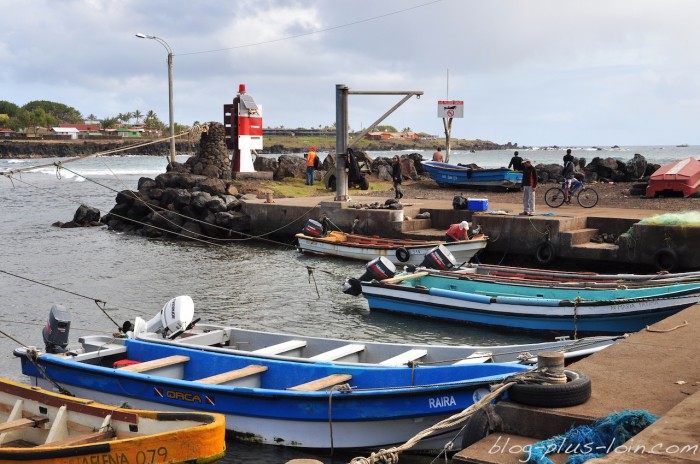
(545, 253)
(666, 259)
(576, 390)
(479, 425)
(402, 254)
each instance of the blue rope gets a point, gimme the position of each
(592, 441)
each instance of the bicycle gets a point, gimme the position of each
(587, 197)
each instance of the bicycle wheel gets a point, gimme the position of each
(554, 197)
(587, 197)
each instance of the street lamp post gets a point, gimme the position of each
(170, 89)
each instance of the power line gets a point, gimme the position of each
(319, 31)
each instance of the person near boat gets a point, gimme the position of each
(568, 173)
(325, 225)
(529, 188)
(312, 163)
(397, 177)
(516, 162)
(457, 232)
(438, 156)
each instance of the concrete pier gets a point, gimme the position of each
(568, 229)
(656, 369)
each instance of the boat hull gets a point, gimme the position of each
(463, 251)
(449, 175)
(141, 436)
(526, 313)
(404, 401)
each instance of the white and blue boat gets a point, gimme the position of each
(296, 404)
(454, 176)
(584, 306)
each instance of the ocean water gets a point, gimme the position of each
(255, 285)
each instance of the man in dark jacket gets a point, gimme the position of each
(516, 162)
(529, 188)
(397, 177)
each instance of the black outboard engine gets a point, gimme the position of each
(377, 269)
(56, 330)
(439, 258)
(313, 228)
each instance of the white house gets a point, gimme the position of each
(72, 131)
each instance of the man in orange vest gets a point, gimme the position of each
(311, 163)
(457, 232)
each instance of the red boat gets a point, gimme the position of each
(681, 176)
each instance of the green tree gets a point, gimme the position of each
(138, 115)
(109, 123)
(59, 112)
(8, 108)
(386, 128)
(39, 118)
(91, 117)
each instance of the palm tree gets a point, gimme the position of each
(128, 116)
(138, 115)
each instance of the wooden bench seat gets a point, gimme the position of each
(82, 439)
(404, 358)
(322, 383)
(235, 374)
(281, 348)
(338, 353)
(156, 363)
(31, 421)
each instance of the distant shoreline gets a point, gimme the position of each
(273, 145)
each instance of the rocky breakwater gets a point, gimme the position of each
(195, 199)
(602, 170)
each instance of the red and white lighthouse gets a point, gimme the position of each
(244, 130)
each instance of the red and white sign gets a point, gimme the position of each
(450, 109)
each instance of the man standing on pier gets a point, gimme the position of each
(529, 188)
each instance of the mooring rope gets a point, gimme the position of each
(649, 329)
(389, 456)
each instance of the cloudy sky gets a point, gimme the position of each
(532, 72)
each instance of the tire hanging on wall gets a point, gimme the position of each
(402, 254)
(545, 253)
(666, 259)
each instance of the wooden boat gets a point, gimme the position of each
(450, 175)
(308, 405)
(398, 251)
(566, 306)
(681, 176)
(44, 427)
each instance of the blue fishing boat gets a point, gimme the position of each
(450, 175)
(564, 305)
(297, 404)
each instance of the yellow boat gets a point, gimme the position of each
(44, 427)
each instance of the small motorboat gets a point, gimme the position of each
(532, 302)
(366, 247)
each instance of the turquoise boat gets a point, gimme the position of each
(585, 306)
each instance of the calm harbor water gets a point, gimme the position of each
(251, 284)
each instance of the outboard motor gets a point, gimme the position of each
(174, 318)
(439, 258)
(313, 228)
(56, 330)
(377, 269)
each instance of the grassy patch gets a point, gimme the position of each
(291, 187)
